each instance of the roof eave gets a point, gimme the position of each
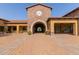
(38, 4)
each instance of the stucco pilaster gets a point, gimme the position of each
(75, 29)
(17, 29)
(52, 26)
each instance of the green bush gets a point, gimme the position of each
(47, 32)
(29, 32)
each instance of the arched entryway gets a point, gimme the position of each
(39, 27)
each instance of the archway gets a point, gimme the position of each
(39, 27)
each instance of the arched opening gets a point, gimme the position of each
(39, 27)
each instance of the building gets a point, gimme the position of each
(40, 20)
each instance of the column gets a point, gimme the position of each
(28, 28)
(11, 28)
(6, 29)
(75, 29)
(17, 30)
(76, 25)
(52, 27)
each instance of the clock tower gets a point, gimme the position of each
(38, 13)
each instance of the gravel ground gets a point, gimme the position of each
(39, 44)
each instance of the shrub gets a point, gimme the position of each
(29, 32)
(47, 32)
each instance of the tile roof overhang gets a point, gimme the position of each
(71, 12)
(62, 18)
(17, 22)
(4, 20)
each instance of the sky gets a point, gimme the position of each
(17, 11)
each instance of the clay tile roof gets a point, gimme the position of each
(38, 4)
(17, 21)
(3, 19)
(62, 18)
(71, 11)
(28, 21)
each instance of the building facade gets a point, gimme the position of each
(40, 20)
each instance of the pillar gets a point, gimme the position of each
(28, 28)
(17, 30)
(20, 29)
(11, 29)
(6, 29)
(52, 27)
(75, 29)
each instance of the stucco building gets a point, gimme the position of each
(40, 20)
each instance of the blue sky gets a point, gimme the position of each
(12, 11)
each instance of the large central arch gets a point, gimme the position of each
(38, 23)
(39, 27)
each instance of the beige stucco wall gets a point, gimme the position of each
(74, 21)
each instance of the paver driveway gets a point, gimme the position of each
(39, 44)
